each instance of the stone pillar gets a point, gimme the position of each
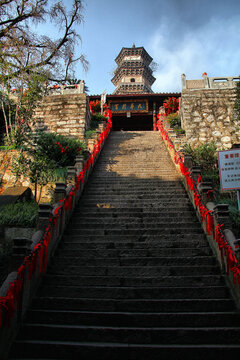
(21, 247)
(90, 144)
(221, 212)
(184, 83)
(71, 175)
(101, 126)
(206, 192)
(44, 214)
(195, 172)
(59, 192)
(81, 87)
(206, 82)
(79, 163)
(188, 161)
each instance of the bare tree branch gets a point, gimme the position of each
(34, 51)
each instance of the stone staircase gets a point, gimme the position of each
(134, 277)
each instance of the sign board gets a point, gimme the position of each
(229, 169)
(103, 100)
(129, 105)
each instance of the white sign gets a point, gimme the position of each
(103, 100)
(229, 169)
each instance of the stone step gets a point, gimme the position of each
(123, 210)
(208, 280)
(136, 231)
(128, 171)
(198, 319)
(141, 238)
(105, 292)
(103, 192)
(138, 220)
(123, 244)
(133, 305)
(68, 260)
(134, 197)
(155, 271)
(121, 203)
(138, 226)
(151, 184)
(135, 335)
(55, 350)
(133, 255)
(134, 213)
(137, 189)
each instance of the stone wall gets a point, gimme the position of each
(208, 115)
(65, 114)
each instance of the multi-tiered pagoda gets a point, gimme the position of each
(133, 74)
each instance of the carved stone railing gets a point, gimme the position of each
(214, 218)
(210, 82)
(31, 258)
(67, 89)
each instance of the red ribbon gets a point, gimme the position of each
(206, 215)
(68, 201)
(41, 249)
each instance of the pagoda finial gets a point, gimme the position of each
(133, 45)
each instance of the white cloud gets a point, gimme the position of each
(213, 48)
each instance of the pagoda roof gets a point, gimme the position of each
(134, 51)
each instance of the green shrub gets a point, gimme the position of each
(98, 117)
(62, 150)
(173, 120)
(89, 133)
(204, 155)
(179, 131)
(23, 214)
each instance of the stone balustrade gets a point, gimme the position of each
(67, 89)
(19, 288)
(210, 82)
(214, 217)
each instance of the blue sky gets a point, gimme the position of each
(182, 36)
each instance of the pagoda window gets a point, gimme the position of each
(132, 80)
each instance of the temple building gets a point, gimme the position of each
(133, 103)
(133, 74)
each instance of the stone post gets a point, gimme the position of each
(188, 161)
(206, 192)
(81, 87)
(221, 212)
(90, 144)
(21, 247)
(59, 192)
(195, 172)
(71, 175)
(79, 163)
(101, 126)
(206, 82)
(44, 214)
(184, 83)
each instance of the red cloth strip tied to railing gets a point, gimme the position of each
(207, 215)
(40, 251)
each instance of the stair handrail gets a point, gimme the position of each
(222, 240)
(19, 288)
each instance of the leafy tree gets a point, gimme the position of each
(29, 60)
(42, 155)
